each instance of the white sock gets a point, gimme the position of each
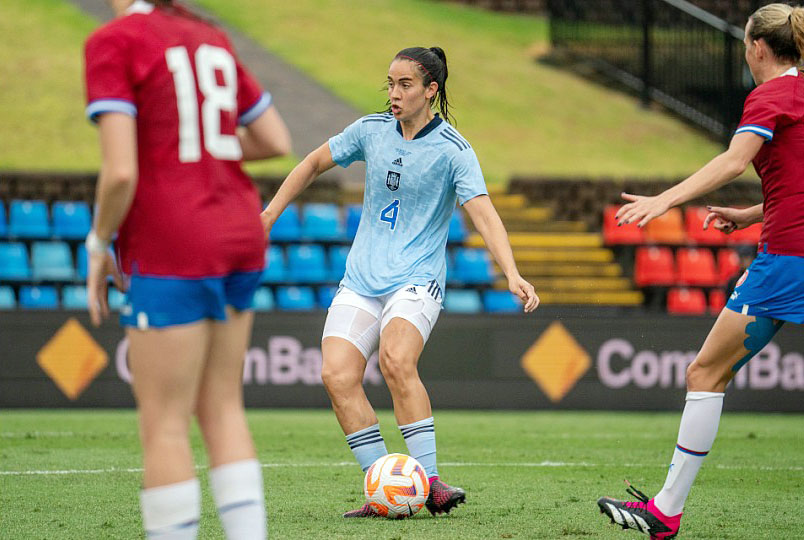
(238, 492)
(172, 512)
(695, 438)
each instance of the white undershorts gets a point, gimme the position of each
(361, 319)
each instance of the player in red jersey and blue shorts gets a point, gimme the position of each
(177, 114)
(771, 292)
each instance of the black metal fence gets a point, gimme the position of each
(669, 51)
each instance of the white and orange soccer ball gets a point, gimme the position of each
(396, 486)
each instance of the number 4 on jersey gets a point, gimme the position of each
(390, 212)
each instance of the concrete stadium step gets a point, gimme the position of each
(605, 298)
(507, 201)
(550, 269)
(517, 226)
(590, 255)
(545, 240)
(532, 214)
(573, 284)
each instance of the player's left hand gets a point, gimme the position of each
(101, 265)
(267, 222)
(641, 209)
(525, 291)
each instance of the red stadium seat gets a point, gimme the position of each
(625, 234)
(728, 264)
(654, 266)
(666, 229)
(683, 301)
(749, 235)
(696, 267)
(717, 301)
(694, 217)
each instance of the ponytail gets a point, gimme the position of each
(782, 28)
(431, 65)
(797, 26)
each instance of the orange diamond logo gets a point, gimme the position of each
(556, 361)
(72, 359)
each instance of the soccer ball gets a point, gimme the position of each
(396, 486)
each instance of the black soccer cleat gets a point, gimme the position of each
(640, 515)
(443, 498)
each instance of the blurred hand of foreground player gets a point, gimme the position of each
(641, 209)
(728, 220)
(525, 291)
(101, 265)
(267, 222)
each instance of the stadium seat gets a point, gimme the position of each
(472, 266)
(52, 261)
(287, 227)
(325, 296)
(276, 270)
(322, 222)
(717, 301)
(728, 264)
(500, 302)
(3, 221)
(683, 301)
(696, 267)
(457, 227)
(39, 297)
(694, 217)
(654, 266)
(614, 234)
(749, 235)
(14, 261)
(81, 262)
(306, 264)
(74, 297)
(353, 212)
(29, 219)
(71, 219)
(7, 298)
(462, 301)
(666, 229)
(295, 298)
(337, 262)
(264, 299)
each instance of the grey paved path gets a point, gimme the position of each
(313, 113)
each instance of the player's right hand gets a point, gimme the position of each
(726, 220)
(101, 266)
(526, 293)
(267, 222)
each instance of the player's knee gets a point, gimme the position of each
(703, 378)
(339, 380)
(395, 366)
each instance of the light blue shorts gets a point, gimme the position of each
(157, 302)
(773, 286)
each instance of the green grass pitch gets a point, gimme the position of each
(76, 474)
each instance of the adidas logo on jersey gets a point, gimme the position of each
(397, 161)
(411, 289)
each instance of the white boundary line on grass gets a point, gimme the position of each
(540, 464)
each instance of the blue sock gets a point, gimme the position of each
(367, 445)
(420, 438)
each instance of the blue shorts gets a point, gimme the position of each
(773, 286)
(156, 302)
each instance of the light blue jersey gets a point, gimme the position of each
(411, 189)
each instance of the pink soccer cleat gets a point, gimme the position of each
(640, 515)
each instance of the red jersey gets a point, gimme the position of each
(195, 212)
(775, 111)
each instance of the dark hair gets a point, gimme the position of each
(782, 28)
(432, 66)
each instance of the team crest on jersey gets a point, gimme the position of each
(392, 180)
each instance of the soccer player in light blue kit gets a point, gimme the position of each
(417, 166)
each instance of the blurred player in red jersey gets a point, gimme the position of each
(771, 291)
(177, 113)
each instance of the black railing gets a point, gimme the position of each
(669, 51)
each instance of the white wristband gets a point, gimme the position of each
(95, 246)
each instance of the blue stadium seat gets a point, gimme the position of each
(322, 222)
(39, 297)
(276, 270)
(306, 264)
(52, 261)
(71, 219)
(81, 261)
(264, 299)
(14, 261)
(115, 298)
(74, 297)
(462, 301)
(29, 219)
(337, 262)
(295, 298)
(457, 227)
(7, 298)
(3, 221)
(287, 227)
(472, 266)
(451, 279)
(353, 212)
(325, 296)
(501, 302)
